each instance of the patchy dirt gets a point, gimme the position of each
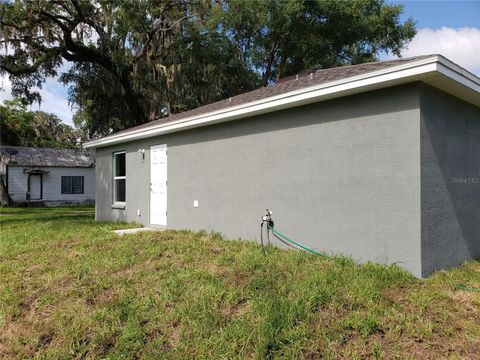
(216, 270)
(242, 307)
(103, 297)
(18, 332)
(147, 265)
(76, 254)
(467, 300)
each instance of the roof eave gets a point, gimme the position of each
(51, 166)
(421, 70)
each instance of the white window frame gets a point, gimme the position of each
(115, 178)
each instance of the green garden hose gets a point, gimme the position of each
(295, 243)
(466, 288)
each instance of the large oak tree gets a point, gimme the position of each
(131, 59)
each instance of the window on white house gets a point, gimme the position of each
(119, 177)
(72, 185)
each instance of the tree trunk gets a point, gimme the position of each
(268, 67)
(5, 199)
(131, 100)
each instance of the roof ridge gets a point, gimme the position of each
(38, 156)
(309, 71)
(42, 148)
(295, 83)
(229, 99)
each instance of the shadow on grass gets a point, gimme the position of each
(39, 215)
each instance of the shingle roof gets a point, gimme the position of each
(302, 80)
(32, 156)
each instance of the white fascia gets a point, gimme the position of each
(413, 71)
(460, 75)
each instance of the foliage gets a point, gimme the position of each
(285, 37)
(71, 288)
(131, 59)
(20, 127)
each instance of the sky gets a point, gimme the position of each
(450, 28)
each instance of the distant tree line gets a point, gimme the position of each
(21, 127)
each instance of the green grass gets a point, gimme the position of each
(71, 288)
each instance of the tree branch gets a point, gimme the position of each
(61, 25)
(155, 31)
(25, 69)
(81, 17)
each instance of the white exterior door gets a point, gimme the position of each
(158, 185)
(35, 187)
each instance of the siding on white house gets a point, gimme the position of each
(17, 183)
(52, 184)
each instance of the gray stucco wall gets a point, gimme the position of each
(450, 186)
(341, 176)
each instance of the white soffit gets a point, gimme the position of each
(436, 71)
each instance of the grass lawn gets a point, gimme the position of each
(70, 288)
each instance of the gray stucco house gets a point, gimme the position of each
(378, 161)
(48, 177)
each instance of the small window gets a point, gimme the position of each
(119, 178)
(72, 184)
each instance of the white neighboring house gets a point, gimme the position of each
(48, 176)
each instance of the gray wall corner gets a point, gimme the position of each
(450, 180)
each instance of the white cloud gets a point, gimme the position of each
(54, 94)
(54, 98)
(55, 102)
(461, 45)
